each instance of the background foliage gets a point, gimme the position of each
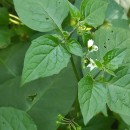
(41, 65)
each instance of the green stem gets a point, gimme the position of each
(71, 33)
(97, 74)
(78, 79)
(61, 32)
(74, 69)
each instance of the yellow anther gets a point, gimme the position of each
(88, 29)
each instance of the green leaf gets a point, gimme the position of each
(4, 37)
(74, 11)
(126, 119)
(104, 111)
(4, 17)
(100, 122)
(44, 98)
(45, 57)
(92, 98)
(109, 71)
(114, 11)
(42, 15)
(11, 61)
(12, 119)
(114, 58)
(99, 64)
(108, 38)
(121, 23)
(74, 47)
(119, 92)
(90, 10)
(77, 3)
(75, 14)
(116, 15)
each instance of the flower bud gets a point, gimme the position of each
(73, 22)
(90, 43)
(95, 48)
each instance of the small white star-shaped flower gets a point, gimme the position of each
(92, 47)
(91, 65)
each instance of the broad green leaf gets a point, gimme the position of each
(100, 122)
(42, 15)
(4, 37)
(75, 14)
(43, 99)
(109, 71)
(90, 10)
(92, 98)
(108, 38)
(119, 92)
(4, 17)
(99, 64)
(45, 57)
(123, 23)
(13, 119)
(104, 111)
(5, 73)
(11, 61)
(126, 119)
(74, 47)
(77, 3)
(74, 11)
(114, 11)
(123, 126)
(116, 15)
(114, 58)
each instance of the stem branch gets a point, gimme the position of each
(71, 33)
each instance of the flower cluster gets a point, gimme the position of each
(88, 61)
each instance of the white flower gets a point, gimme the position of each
(92, 47)
(90, 43)
(91, 65)
(95, 48)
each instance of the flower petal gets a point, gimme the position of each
(90, 43)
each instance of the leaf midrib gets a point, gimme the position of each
(40, 63)
(40, 4)
(91, 13)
